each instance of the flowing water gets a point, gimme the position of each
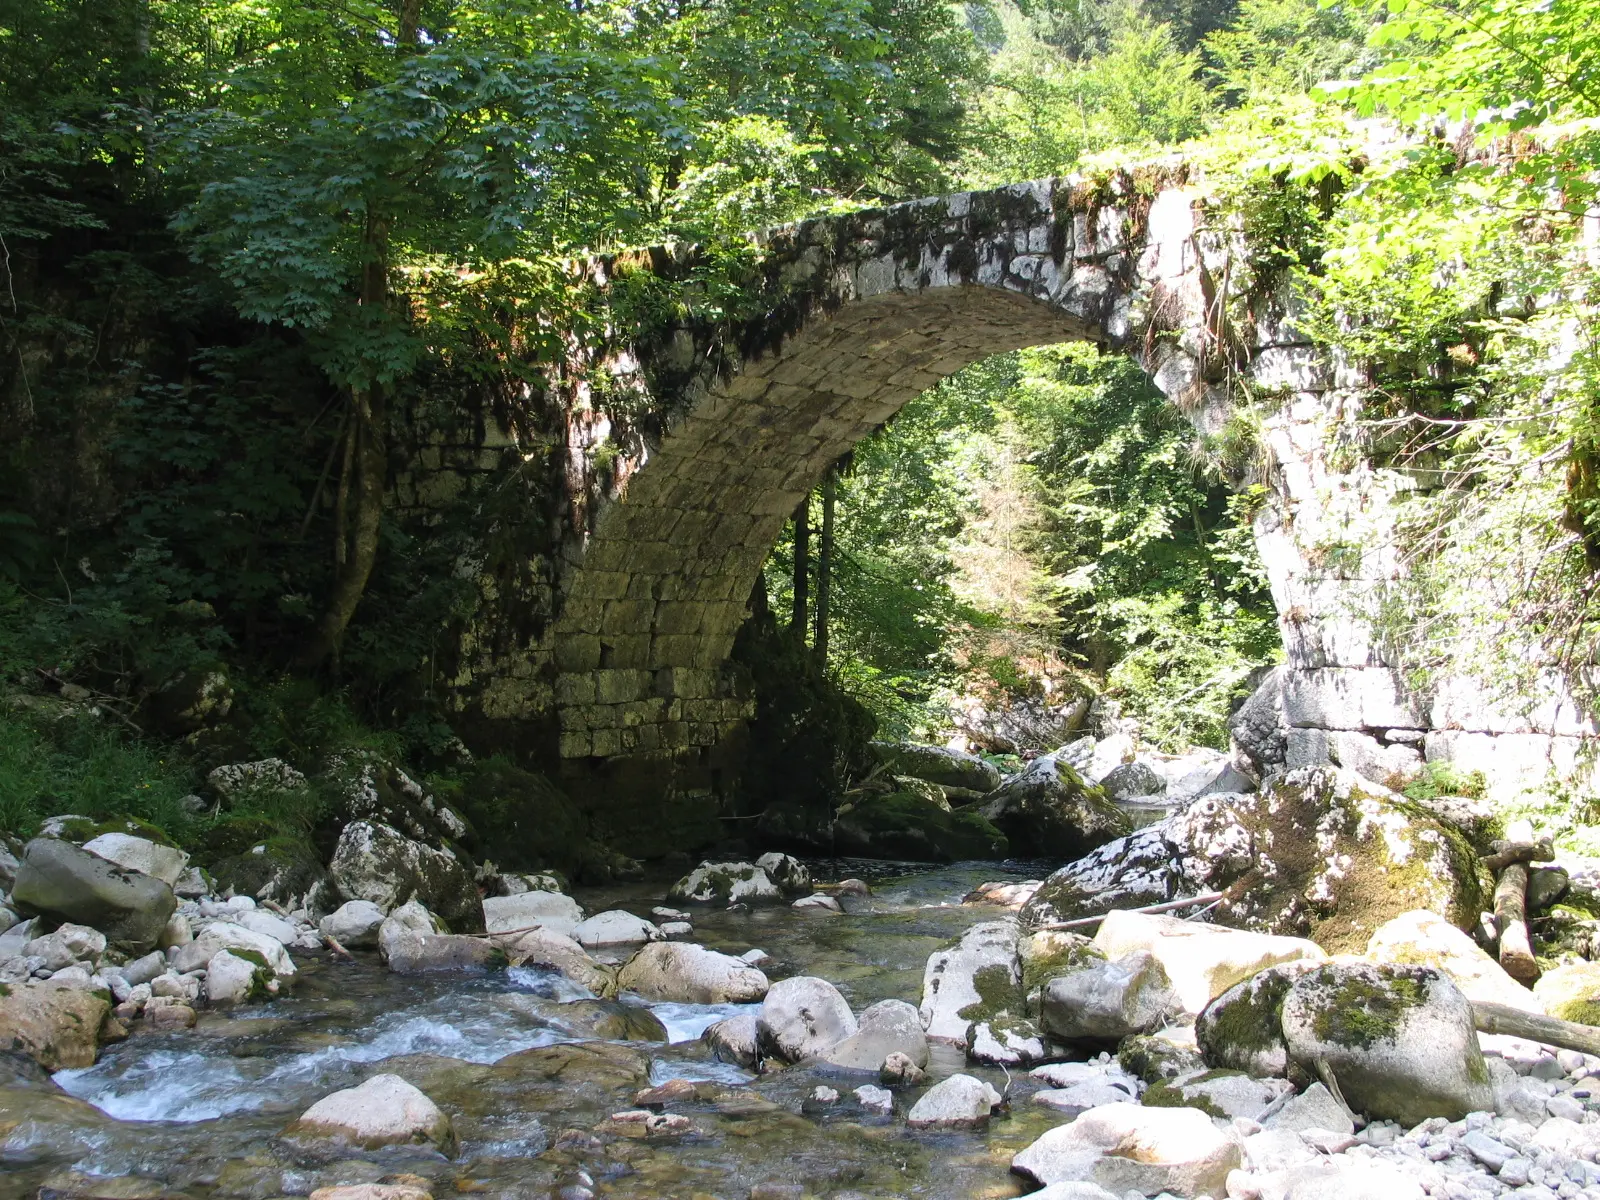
(197, 1113)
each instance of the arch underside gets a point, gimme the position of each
(651, 611)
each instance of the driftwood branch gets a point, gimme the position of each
(1566, 1035)
(332, 943)
(1507, 853)
(1169, 906)
(1511, 915)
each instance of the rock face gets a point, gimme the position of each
(982, 972)
(904, 825)
(802, 1018)
(1426, 939)
(1399, 1040)
(1106, 1002)
(725, 883)
(887, 1027)
(554, 911)
(1127, 1147)
(383, 1111)
(60, 880)
(234, 980)
(1202, 961)
(690, 974)
(151, 858)
(959, 1102)
(1321, 853)
(1049, 809)
(936, 764)
(374, 862)
(55, 1026)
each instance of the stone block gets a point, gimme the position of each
(674, 650)
(576, 744)
(678, 617)
(1348, 698)
(630, 651)
(619, 686)
(607, 742)
(576, 688)
(577, 652)
(1513, 764)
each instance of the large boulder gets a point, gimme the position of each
(420, 953)
(237, 783)
(555, 952)
(980, 976)
(1017, 724)
(58, 1027)
(938, 764)
(904, 825)
(791, 875)
(959, 1102)
(377, 863)
(1129, 1148)
(615, 927)
(1570, 992)
(1132, 780)
(383, 1111)
(734, 1040)
(231, 979)
(555, 911)
(1242, 1029)
(141, 854)
(1108, 1001)
(225, 935)
(60, 880)
(1203, 961)
(1399, 1040)
(803, 1017)
(887, 1027)
(1321, 853)
(1258, 726)
(1049, 809)
(690, 974)
(354, 924)
(1426, 939)
(371, 788)
(726, 883)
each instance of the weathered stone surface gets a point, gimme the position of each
(1202, 961)
(231, 979)
(237, 781)
(1399, 1040)
(1225, 1094)
(791, 875)
(555, 911)
(887, 1027)
(374, 862)
(1314, 1108)
(224, 935)
(981, 974)
(1050, 809)
(734, 1040)
(68, 944)
(55, 1026)
(1321, 853)
(1126, 1147)
(148, 857)
(1570, 991)
(615, 928)
(803, 1017)
(1242, 1029)
(1007, 1040)
(354, 924)
(959, 1102)
(63, 881)
(383, 1111)
(726, 883)
(1131, 780)
(937, 764)
(1108, 1001)
(685, 972)
(1422, 938)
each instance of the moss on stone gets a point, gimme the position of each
(998, 994)
(1040, 970)
(1362, 1011)
(1165, 1094)
(1244, 1022)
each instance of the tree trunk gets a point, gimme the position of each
(825, 564)
(1510, 910)
(363, 484)
(802, 570)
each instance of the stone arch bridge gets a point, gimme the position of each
(623, 674)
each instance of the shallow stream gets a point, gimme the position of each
(197, 1113)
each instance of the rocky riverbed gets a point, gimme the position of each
(363, 1083)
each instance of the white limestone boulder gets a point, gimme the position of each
(959, 1102)
(987, 958)
(615, 928)
(690, 974)
(354, 924)
(1128, 1147)
(554, 911)
(165, 863)
(803, 1017)
(383, 1111)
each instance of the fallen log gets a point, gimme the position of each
(1511, 915)
(1506, 853)
(1552, 1031)
(1169, 906)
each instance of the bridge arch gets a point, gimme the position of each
(874, 308)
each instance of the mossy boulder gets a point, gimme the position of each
(59, 880)
(1571, 992)
(279, 867)
(1053, 952)
(1107, 1001)
(1051, 810)
(70, 827)
(1242, 1029)
(1154, 1057)
(523, 822)
(1399, 1040)
(1322, 854)
(978, 977)
(374, 862)
(938, 764)
(368, 787)
(903, 825)
(1221, 1094)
